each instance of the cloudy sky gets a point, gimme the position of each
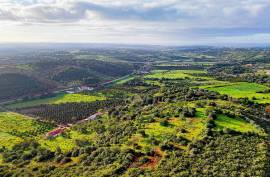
(168, 22)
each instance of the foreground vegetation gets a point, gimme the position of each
(188, 116)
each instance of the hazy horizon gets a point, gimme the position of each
(126, 45)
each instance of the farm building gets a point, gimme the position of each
(85, 88)
(55, 132)
(78, 89)
(268, 109)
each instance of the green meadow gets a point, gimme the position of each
(192, 75)
(241, 90)
(123, 80)
(236, 124)
(58, 99)
(175, 74)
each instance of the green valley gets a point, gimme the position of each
(170, 112)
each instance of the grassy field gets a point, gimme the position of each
(235, 124)
(16, 127)
(241, 90)
(60, 98)
(170, 74)
(175, 74)
(123, 80)
(193, 75)
(194, 127)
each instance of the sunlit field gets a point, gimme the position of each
(58, 99)
(241, 90)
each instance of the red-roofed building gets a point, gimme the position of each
(55, 132)
(268, 109)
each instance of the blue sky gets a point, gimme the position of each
(167, 22)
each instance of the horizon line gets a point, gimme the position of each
(233, 45)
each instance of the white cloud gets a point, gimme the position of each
(122, 20)
(204, 11)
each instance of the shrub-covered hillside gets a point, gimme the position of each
(184, 112)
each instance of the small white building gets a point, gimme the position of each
(85, 88)
(70, 92)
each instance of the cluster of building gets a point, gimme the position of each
(79, 89)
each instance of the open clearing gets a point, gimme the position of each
(193, 129)
(65, 142)
(58, 99)
(243, 89)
